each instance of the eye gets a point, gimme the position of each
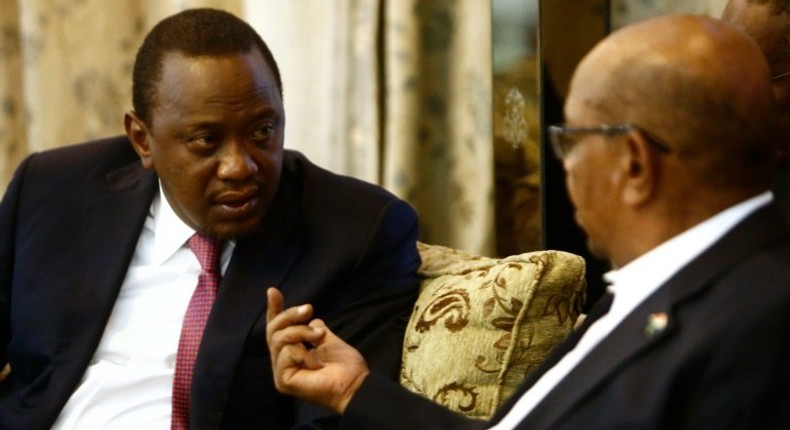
(204, 141)
(262, 134)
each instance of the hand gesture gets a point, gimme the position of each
(308, 360)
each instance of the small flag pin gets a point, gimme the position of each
(656, 323)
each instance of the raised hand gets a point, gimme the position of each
(308, 360)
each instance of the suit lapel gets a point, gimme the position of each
(260, 260)
(641, 329)
(113, 220)
(626, 341)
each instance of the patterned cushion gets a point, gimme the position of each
(480, 325)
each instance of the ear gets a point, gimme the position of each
(640, 168)
(139, 136)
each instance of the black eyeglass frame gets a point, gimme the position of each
(561, 142)
(781, 75)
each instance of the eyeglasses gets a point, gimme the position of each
(564, 138)
(781, 75)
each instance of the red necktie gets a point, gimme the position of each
(208, 251)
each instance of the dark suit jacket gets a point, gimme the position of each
(782, 190)
(69, 223)
(723, 360)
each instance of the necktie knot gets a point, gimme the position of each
(208, 251)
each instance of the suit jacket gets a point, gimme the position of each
(720, 362)
(69, 223)
(782, 190)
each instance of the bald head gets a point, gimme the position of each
(699, 84)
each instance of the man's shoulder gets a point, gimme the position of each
(323, 182)
(96, 155)
(748, 266)
(81, 163)
(110, 147)
(322, 195)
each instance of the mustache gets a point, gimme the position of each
(236, 194)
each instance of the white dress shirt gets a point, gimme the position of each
(631, 285)
(128, 384)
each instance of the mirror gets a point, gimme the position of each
(568, 30)
(516, 126)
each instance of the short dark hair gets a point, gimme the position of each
(194, 33)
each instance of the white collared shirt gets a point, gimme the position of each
(128, 384)
(631, 285)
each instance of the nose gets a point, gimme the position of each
(235, 162)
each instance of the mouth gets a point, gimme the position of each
(238, 204)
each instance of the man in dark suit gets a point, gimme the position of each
(668, 153)
(96, 276)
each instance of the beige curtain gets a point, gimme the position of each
(438, 134)
(328, 55)
(65, 69)
(395, 92)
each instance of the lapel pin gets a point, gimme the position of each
(656, 323)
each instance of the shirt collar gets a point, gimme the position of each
(170, 232)
(638, 279)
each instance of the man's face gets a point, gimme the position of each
(215, 140)
(588, 169)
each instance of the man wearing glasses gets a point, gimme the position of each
(669, 150)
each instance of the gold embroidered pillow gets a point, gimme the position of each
(480, 325)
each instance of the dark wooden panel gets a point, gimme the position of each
(568, 30)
